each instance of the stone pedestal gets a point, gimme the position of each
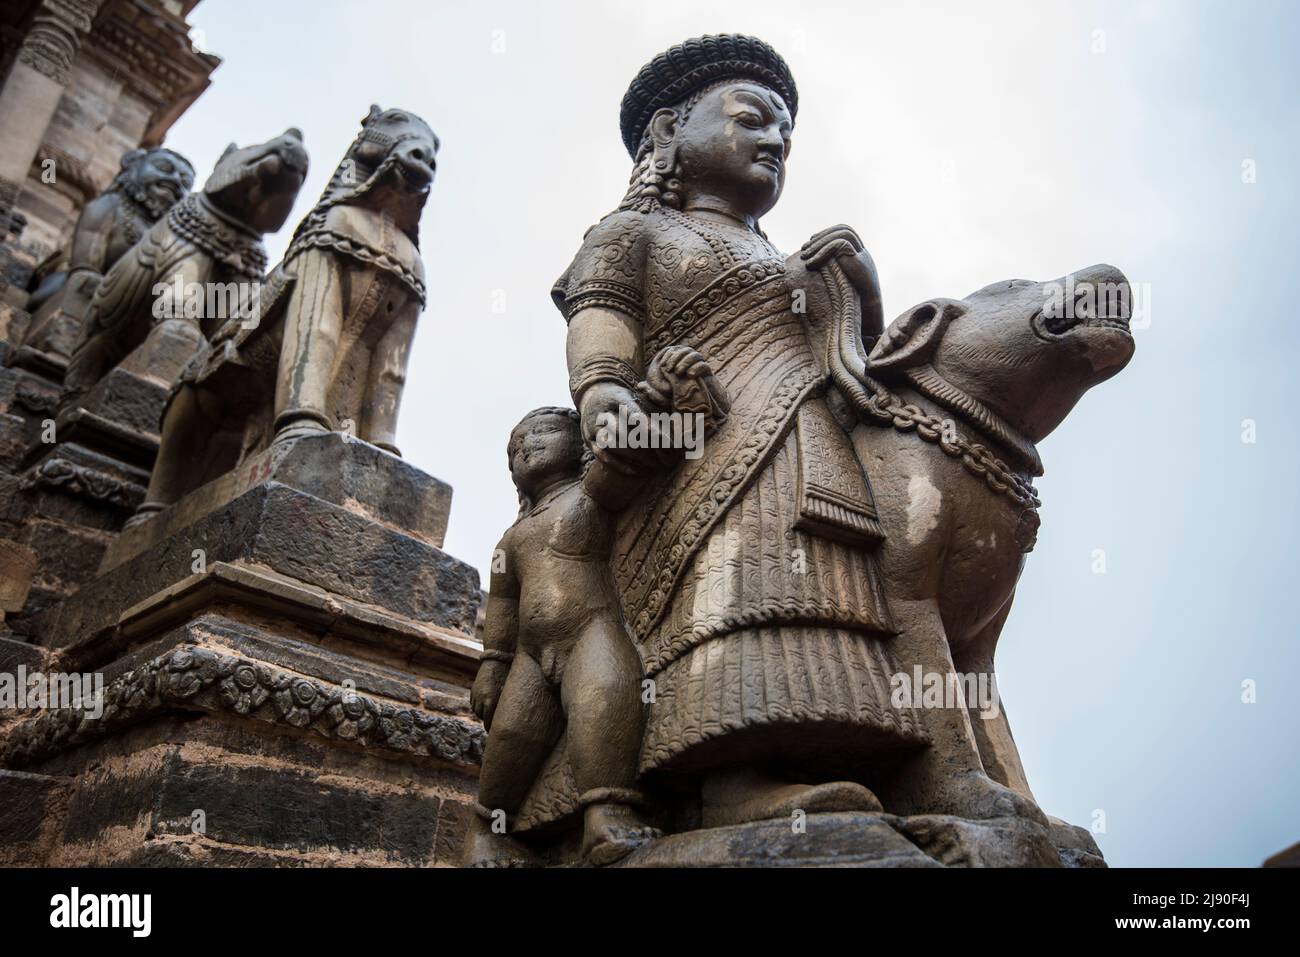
(860, 839)
(68, 497)
(56, 521)
(285, 671)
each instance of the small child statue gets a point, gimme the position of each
(557, 655)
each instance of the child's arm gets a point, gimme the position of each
(500, 633)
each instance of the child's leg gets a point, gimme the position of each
(525, 727)
(601, 693)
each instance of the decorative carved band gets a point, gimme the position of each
(194, 678)
(55, 36)
(82, 480)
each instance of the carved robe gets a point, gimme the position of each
(747, 576)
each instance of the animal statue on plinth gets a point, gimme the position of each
(149, 184)
(157, 295)
(328, 346)
(859, 516)
(946, 412)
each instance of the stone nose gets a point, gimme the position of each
(1111, 287)
(291, 151)
(418, 153)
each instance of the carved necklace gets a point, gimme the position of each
(228, 241)
(846, 365)
(931, 384)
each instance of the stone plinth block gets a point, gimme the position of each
(865, 839)
(332, 467)
(248, 718)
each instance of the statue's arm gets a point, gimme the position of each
(843, 244)
(606, 360)
(501, 625)
(90, 239)
(500, 634)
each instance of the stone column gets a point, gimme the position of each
(35, 85)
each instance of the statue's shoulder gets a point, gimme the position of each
(609, 268)
(625, 227)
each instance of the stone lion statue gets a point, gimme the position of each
(328, 349)
(209, 239)
(150, 182)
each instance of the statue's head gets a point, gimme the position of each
(710, 121)
(1028, 351)
(157, 179)
(400, 145)
(389, 166)
(257, 185)
(545, 446)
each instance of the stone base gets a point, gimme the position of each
(285, 682)
(119, 417)
(65, 507)
(862, 839)
(331, 467)
(245, 738)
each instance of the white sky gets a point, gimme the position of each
(967, 143)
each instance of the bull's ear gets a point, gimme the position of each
(374, 114)
(911, 339)
(232, 148)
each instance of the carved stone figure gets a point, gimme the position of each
(858, 513)
(557, 659)
(951, 402)
(747, 575)
(150, 183)
(329, 347)
(207, 241)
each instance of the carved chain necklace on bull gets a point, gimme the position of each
(847, 364)
(227, 240)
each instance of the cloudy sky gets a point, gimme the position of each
(966, 142)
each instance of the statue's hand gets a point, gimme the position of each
(836, 242)
(842, 243)
(486, 692)
(599, 409)
(680, 379)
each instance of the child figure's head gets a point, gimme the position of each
(545, 446)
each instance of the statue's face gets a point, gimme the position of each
(544, 448)
(414, 148)
(164, 178)
(257, 185)
(734, 145)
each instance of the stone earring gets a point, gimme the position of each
(663, 176)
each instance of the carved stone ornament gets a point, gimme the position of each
(55, 35)
(194, 678)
